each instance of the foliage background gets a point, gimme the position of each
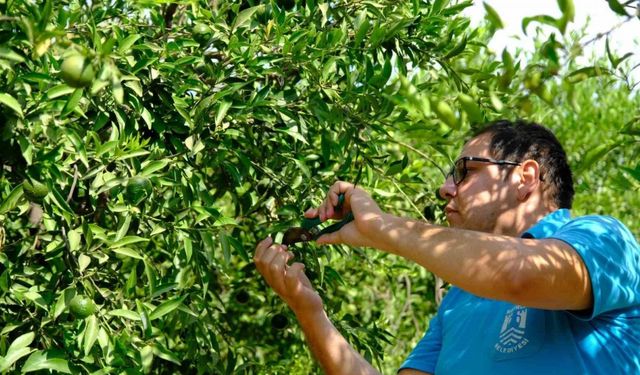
(240, 114)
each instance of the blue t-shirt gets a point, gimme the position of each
(474, 335)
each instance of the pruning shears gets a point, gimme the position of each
(310, 229)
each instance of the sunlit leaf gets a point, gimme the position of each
(12, 103)
(41, 360)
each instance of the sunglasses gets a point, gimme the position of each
(459, 169)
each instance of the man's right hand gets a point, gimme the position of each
(288, 281)
(367, 216)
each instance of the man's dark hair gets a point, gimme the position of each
(522, 140)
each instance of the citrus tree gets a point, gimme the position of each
(146, 147)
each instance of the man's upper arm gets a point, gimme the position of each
(550, 274)
(611, 257)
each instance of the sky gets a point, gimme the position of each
(602, 19)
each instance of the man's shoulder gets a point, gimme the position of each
(598, 225)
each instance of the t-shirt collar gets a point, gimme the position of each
(548, 225)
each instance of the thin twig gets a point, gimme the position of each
(409, 200)
(407, 302)
(602, 35)
(73, 185)
(419, 153)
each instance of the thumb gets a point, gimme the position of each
(311, 213)
(330, 238)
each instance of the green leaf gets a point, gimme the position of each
(74, 237)
(188, 248)
(72, 102)
(8, 54)
(146, 356)
(12, 356)
(117, 91)
(21, 341)
(226, 250)
(587, 72)
(544, 19)
(40, 360)
(593, 155)
(90, 334)
(147, 117)
(12, 200)
(153, 166)
(381, 79)
(363, 25)
(222, 111)
(126, 43)
(161, 352)
(59, 90)
(457, 49)
(635, 173)
(493, 16)
(166, 307)
(293, 132)
(568, 9)
(128, 314)
(144, 317)
(124, 227)
(18, 349)
(127, 252)
(83, 262)
(128, 240)
(12, 103)
(244, 17)
(470, 106)
(617, 7)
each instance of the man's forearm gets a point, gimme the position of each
(330, 348)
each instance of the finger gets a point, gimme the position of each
(323, 211)
(295, 277)
(334, 197)
(330, 238)
(330, 209)
(261, 247)
(342, 187)
(277, 271)
(265, 259)
(311, 213)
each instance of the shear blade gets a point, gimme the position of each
(295, 235)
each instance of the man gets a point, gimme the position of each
(533, 290)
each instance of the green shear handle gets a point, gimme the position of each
(311, 230)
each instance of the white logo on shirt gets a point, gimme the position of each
(512, 335)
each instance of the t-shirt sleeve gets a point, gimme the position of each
(612, 257)
(424, 356)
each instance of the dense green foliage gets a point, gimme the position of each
(147, 146)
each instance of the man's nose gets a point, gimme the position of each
(448, 189)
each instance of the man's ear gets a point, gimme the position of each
(529, 173)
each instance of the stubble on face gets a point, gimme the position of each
(481, 199)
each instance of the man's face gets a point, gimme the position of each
(482, 201)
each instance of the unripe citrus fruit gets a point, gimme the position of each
(34, 190)
(77, 71)
(201, 32)
(138, 189)
(82, 307)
